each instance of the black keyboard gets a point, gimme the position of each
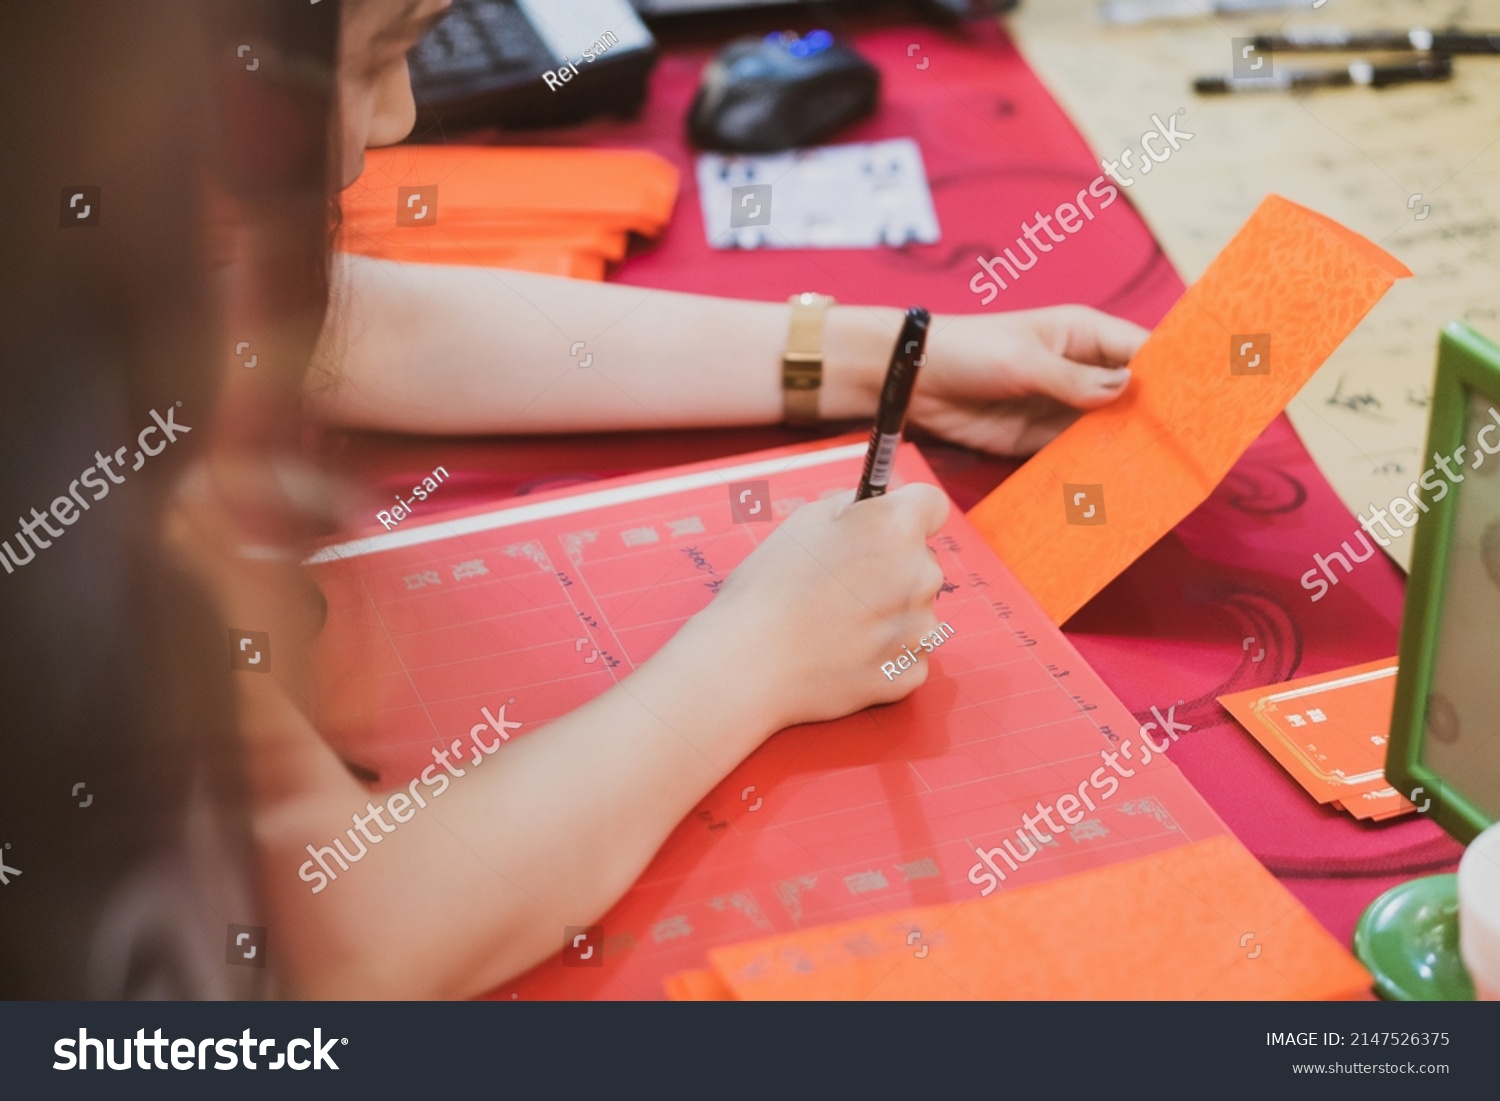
(484, 65)
(479, 42)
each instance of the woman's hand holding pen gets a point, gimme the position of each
(837, 589)
(1002, 383)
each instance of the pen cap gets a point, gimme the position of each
(1479, 913)
(1428, 68)
(913, 327)
(1464, 42)
(906, 360)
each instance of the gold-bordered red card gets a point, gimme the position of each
(1330, 732)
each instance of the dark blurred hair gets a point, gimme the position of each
(114, 668)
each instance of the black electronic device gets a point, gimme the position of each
(528, 63)
(939, 9)
(760, 95)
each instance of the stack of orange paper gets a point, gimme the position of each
(1226, 359)
(1200, 921)
(1330, 732)
(557, 211)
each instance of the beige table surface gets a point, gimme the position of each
(1415, 169)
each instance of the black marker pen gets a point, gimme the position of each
(895, 396)
(1451, 41)
(1358, 73)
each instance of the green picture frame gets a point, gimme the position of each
(1468, 367)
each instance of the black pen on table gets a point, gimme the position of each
(1451, 40)
(895, 396)
(1439, 67)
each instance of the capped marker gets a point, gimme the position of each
(895, 395)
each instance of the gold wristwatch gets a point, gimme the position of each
(802, 362)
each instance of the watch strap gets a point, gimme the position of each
(802, 362)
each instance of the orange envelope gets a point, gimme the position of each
(558, 211)
(1329, 732)
(625, 187)
(1199, 921)
(1230, 355)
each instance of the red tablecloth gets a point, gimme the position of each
(1173, 627)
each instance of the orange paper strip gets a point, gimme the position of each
(1199, 921)
(1230, 355)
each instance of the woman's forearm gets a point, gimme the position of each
(443, 349)
(547, 833)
